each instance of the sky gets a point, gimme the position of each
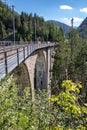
(59, 10)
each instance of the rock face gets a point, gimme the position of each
(82, 29)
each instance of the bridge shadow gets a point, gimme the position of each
(22, 77)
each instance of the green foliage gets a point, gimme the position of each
(20, 112)
(61, 62)
(71, 114)
(64, 112)
(2, 30)
(70, 61)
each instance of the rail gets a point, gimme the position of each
(12, 55)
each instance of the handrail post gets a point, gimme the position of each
(24, 52)
(6, 67)
(17, 56)
(30, 49)
(27, 50)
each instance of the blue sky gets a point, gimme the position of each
(60, 10)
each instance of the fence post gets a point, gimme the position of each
(27, 50)
(24, 52)
(30, 49)
(17, 57)
(6, 67)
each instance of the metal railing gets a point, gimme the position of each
(12, 55)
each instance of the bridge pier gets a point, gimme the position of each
(30, 63)
(49, 71)
(38, 66)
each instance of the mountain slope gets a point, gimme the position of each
(82, 29)
(64, 27)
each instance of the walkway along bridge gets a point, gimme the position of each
(29, 62)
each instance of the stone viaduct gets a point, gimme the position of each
(34, 70)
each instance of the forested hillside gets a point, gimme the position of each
(28, 27)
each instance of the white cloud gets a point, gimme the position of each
(83, 10)
(77, 21)
(66, 20)
(65, 7)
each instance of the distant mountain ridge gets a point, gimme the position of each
(82, 29)
(64, 27)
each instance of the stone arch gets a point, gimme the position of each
(22, 75)
(40, 74)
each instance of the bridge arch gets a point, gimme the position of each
(40, 74)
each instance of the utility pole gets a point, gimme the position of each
(35, 29)
(13, 18)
